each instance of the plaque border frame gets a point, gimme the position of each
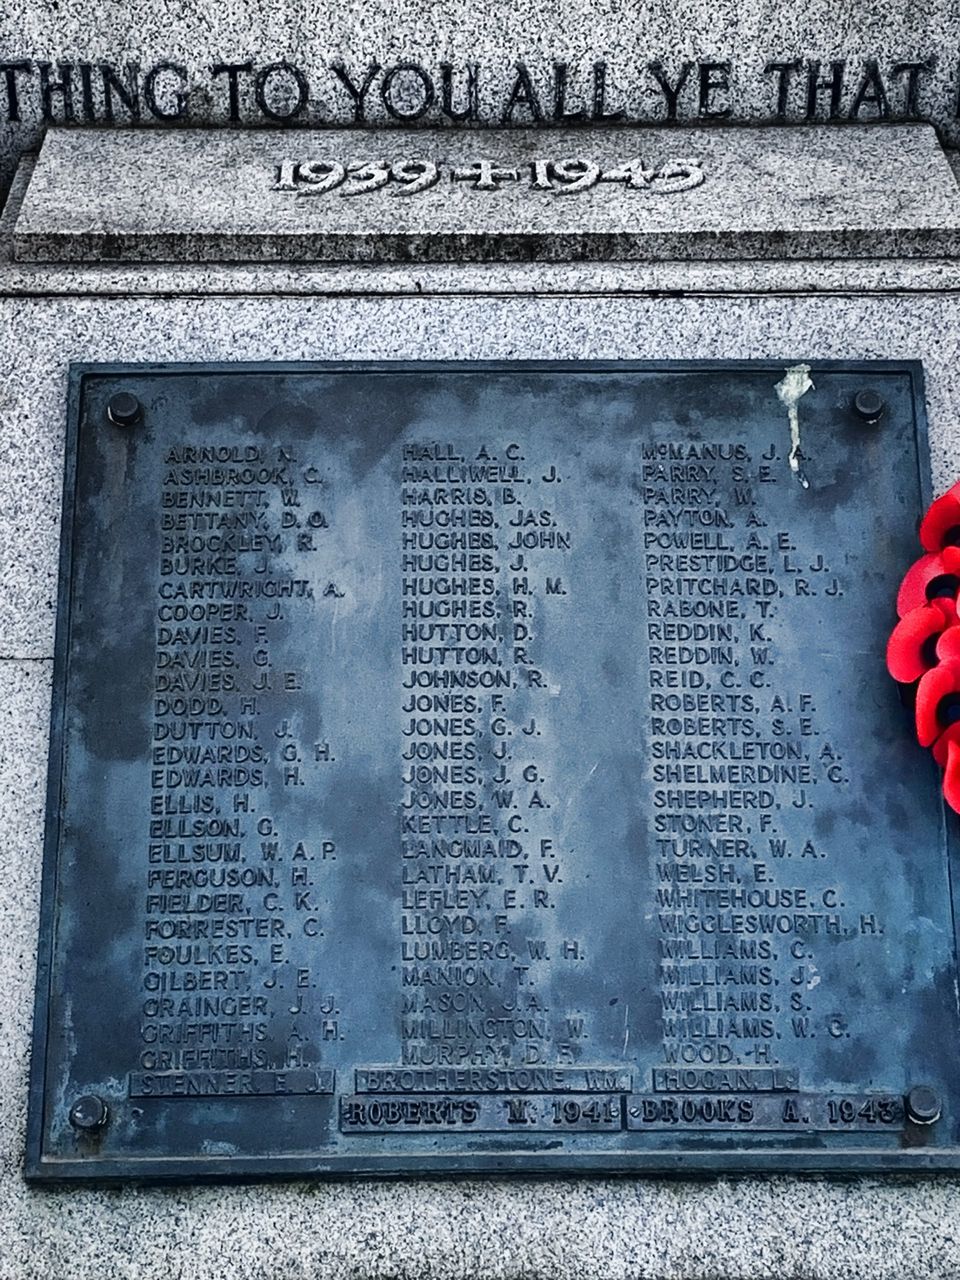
(189, 1170)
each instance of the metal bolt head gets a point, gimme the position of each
(869, 405)
(124, 409)
(88, 1113)
(923, 1105)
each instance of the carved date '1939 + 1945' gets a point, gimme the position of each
(410, 177)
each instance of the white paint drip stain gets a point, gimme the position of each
(796, 383)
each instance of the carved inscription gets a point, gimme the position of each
(819, 86)
(804, 1113)
(733, 745)
(226, 984)
(410, 177)
(369, 1114)
(478, 857)
(485, 542)
(728, 744)
(496, 751)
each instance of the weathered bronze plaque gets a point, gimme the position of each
(469, 767)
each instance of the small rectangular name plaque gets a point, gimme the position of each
(470, 767)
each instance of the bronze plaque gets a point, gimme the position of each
(464, 767)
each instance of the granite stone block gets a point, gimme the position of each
(43, 335)
(692, 62)
(430, 195)
(611, 1229)
(788, 1228)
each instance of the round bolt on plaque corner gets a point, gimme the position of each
(124, 409)
(869, 406)
(88, 1114)
(923, 1105)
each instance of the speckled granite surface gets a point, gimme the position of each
(862, 59)
(789, 1228)
(509, 195)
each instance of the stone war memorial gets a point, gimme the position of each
(481, 657)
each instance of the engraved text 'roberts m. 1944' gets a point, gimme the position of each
(489, 768)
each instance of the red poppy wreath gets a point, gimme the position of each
(924, 649)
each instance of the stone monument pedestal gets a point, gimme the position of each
(791, 248)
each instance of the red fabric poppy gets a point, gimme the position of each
(935, 576)
(948, 645)
(951, 777)
(940, 527)
(924, 648)
(938, 702)
(913, 647)
(940, 748)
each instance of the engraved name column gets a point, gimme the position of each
(730, 749)
(231, 924)
(481, 870)
(457, 957)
